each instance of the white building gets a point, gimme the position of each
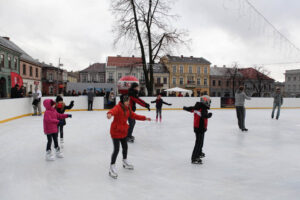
(292, 82)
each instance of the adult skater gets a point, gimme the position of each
(159, 102)
(61, 107)
(240, 97)
(37, 95)
(118, 130)
(278, 101)
(90, 96)
(134, 98)
(201, 116)
(51, 121)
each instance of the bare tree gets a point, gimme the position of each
(147, 23)
(233, 75)
(259, 78)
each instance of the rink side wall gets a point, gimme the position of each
(11, 109)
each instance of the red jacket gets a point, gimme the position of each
(201, 115)
(51, 117)
(119, 126)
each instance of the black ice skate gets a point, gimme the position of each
(197, 161)
(130, 139)
(202, 155)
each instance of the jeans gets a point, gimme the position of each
(241, 115)
(278, 110)
(158, 113)
(37, 108)
(90, 105)
(116, 143)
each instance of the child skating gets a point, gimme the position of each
(201, 116)
(118, 131)
(61, 107)
(51, 121)
(159, 102)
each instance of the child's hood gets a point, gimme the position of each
(48, 103)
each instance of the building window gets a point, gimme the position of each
(219, 83)
(36, 72)
(165, 80)
(127, 74)
(289, 78)
(50, 89)
(227, 83)
(102, 78)
(30, 71)
(158, 80)
(190, 69)
(174, 81)
(205, 70)
(190, 80)
(205, 82)
(174, 69)
(9, 62)
(295, 78)
(198, 81)
(84, 78)
(110, 77)
(119, 76)
(142, 76)
(50, 77)
(181, 69)
(1, 60)
(214, 83)
(181, 81)
(213, 94)
(133, 74)
(16, 63)
(198, 70)
(219, 94)
(24, 69)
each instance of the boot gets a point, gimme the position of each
(49, 156)
(126, 165)
(58, 152)
(113, 171)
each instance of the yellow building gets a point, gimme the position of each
(188, 72)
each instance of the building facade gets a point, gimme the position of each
(73, 77)
(95, 73)
(118, 66)
(189, 73)
(52, 80)
(161, 78)
(224, 81)
(9, 62)
(256, 83)
(292, 83)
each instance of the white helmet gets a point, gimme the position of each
(205, 100)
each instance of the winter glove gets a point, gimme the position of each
(148, 107)
(60, 123)
(69, 115)
(72, 103)
(209, 115)
(184, 108)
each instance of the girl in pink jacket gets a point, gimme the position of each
(51, 120)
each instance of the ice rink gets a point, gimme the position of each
(260, 164)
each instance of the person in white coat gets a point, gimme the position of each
(37, 95)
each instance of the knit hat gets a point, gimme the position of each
(58, 99)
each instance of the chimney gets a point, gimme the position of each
(7, 38)
(191, 56)
(133, 56)
(119, 56)
(181, 56)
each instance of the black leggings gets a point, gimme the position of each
(115, 153)
(198, 144)
(50, 137)
(61, 131)
(158, 113)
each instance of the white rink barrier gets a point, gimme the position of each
(16, 108)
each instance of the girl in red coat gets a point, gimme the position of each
(118, 131)
(51, 121)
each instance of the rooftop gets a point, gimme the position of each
(4, 41)
(96, 68)
(120, 61)
(189, 60)
(160, 68)
(251, 73)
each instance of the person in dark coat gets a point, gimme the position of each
(134, 99)
(159, 102)
(14, 91)
(201, 116)
(90, 96)
(61, 108)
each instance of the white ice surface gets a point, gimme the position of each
(261, 164)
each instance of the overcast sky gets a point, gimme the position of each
(222, 31)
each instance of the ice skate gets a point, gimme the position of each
(49, 156)
(112, 171)
(126, 165)
(62, 142)
(130, 139)
(202, 155)
(160, 120)
(58, 152)
(197, 161)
